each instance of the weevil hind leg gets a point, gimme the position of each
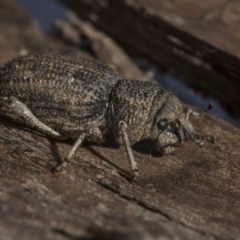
(17, 111)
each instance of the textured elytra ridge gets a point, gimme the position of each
(70, 97)
(59, 90)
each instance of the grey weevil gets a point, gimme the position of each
(70, 97)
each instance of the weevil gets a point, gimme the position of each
(70, 97)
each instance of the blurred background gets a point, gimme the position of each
(46, 12)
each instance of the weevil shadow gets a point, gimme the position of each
(143, 147)
(89, 146)
(121, 171)
(53, 142)
(55, 151)
(146, 147)
(108, 143)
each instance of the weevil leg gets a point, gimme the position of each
(69, 157)
(127, 145)
(19, 112)
(94, 134)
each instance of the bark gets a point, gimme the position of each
(191, 194)
(104, 48)
(194, 39)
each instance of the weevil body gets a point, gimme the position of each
(69, 97)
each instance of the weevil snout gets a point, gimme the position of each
(173, 133)
(171, 138)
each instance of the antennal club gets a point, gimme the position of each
(209, 107)
(198, 114)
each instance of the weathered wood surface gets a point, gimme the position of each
(104, 48)
(196, 39)
(192, 194)
(21, 35)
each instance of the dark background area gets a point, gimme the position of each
(46, 11)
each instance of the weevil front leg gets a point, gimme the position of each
(127, 145)
(17, 111)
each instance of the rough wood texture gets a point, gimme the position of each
(196, 39)
(20, 35)
(104, 48)
(193, 194)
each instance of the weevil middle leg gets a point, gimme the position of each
(70, 155)
(82, 135)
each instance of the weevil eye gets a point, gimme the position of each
(162, 124)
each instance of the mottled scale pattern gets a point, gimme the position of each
(133, 103)
(60, 90)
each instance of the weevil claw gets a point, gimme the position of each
(61, 166)
(136, 176)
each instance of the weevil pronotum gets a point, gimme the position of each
(70, 97)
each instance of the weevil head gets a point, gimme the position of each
(169, 127)
(148, 111)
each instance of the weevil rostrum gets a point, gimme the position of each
(70, 97)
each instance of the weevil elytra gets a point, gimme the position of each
(70, 97)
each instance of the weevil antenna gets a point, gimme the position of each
(192, 135)
(198, 114)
